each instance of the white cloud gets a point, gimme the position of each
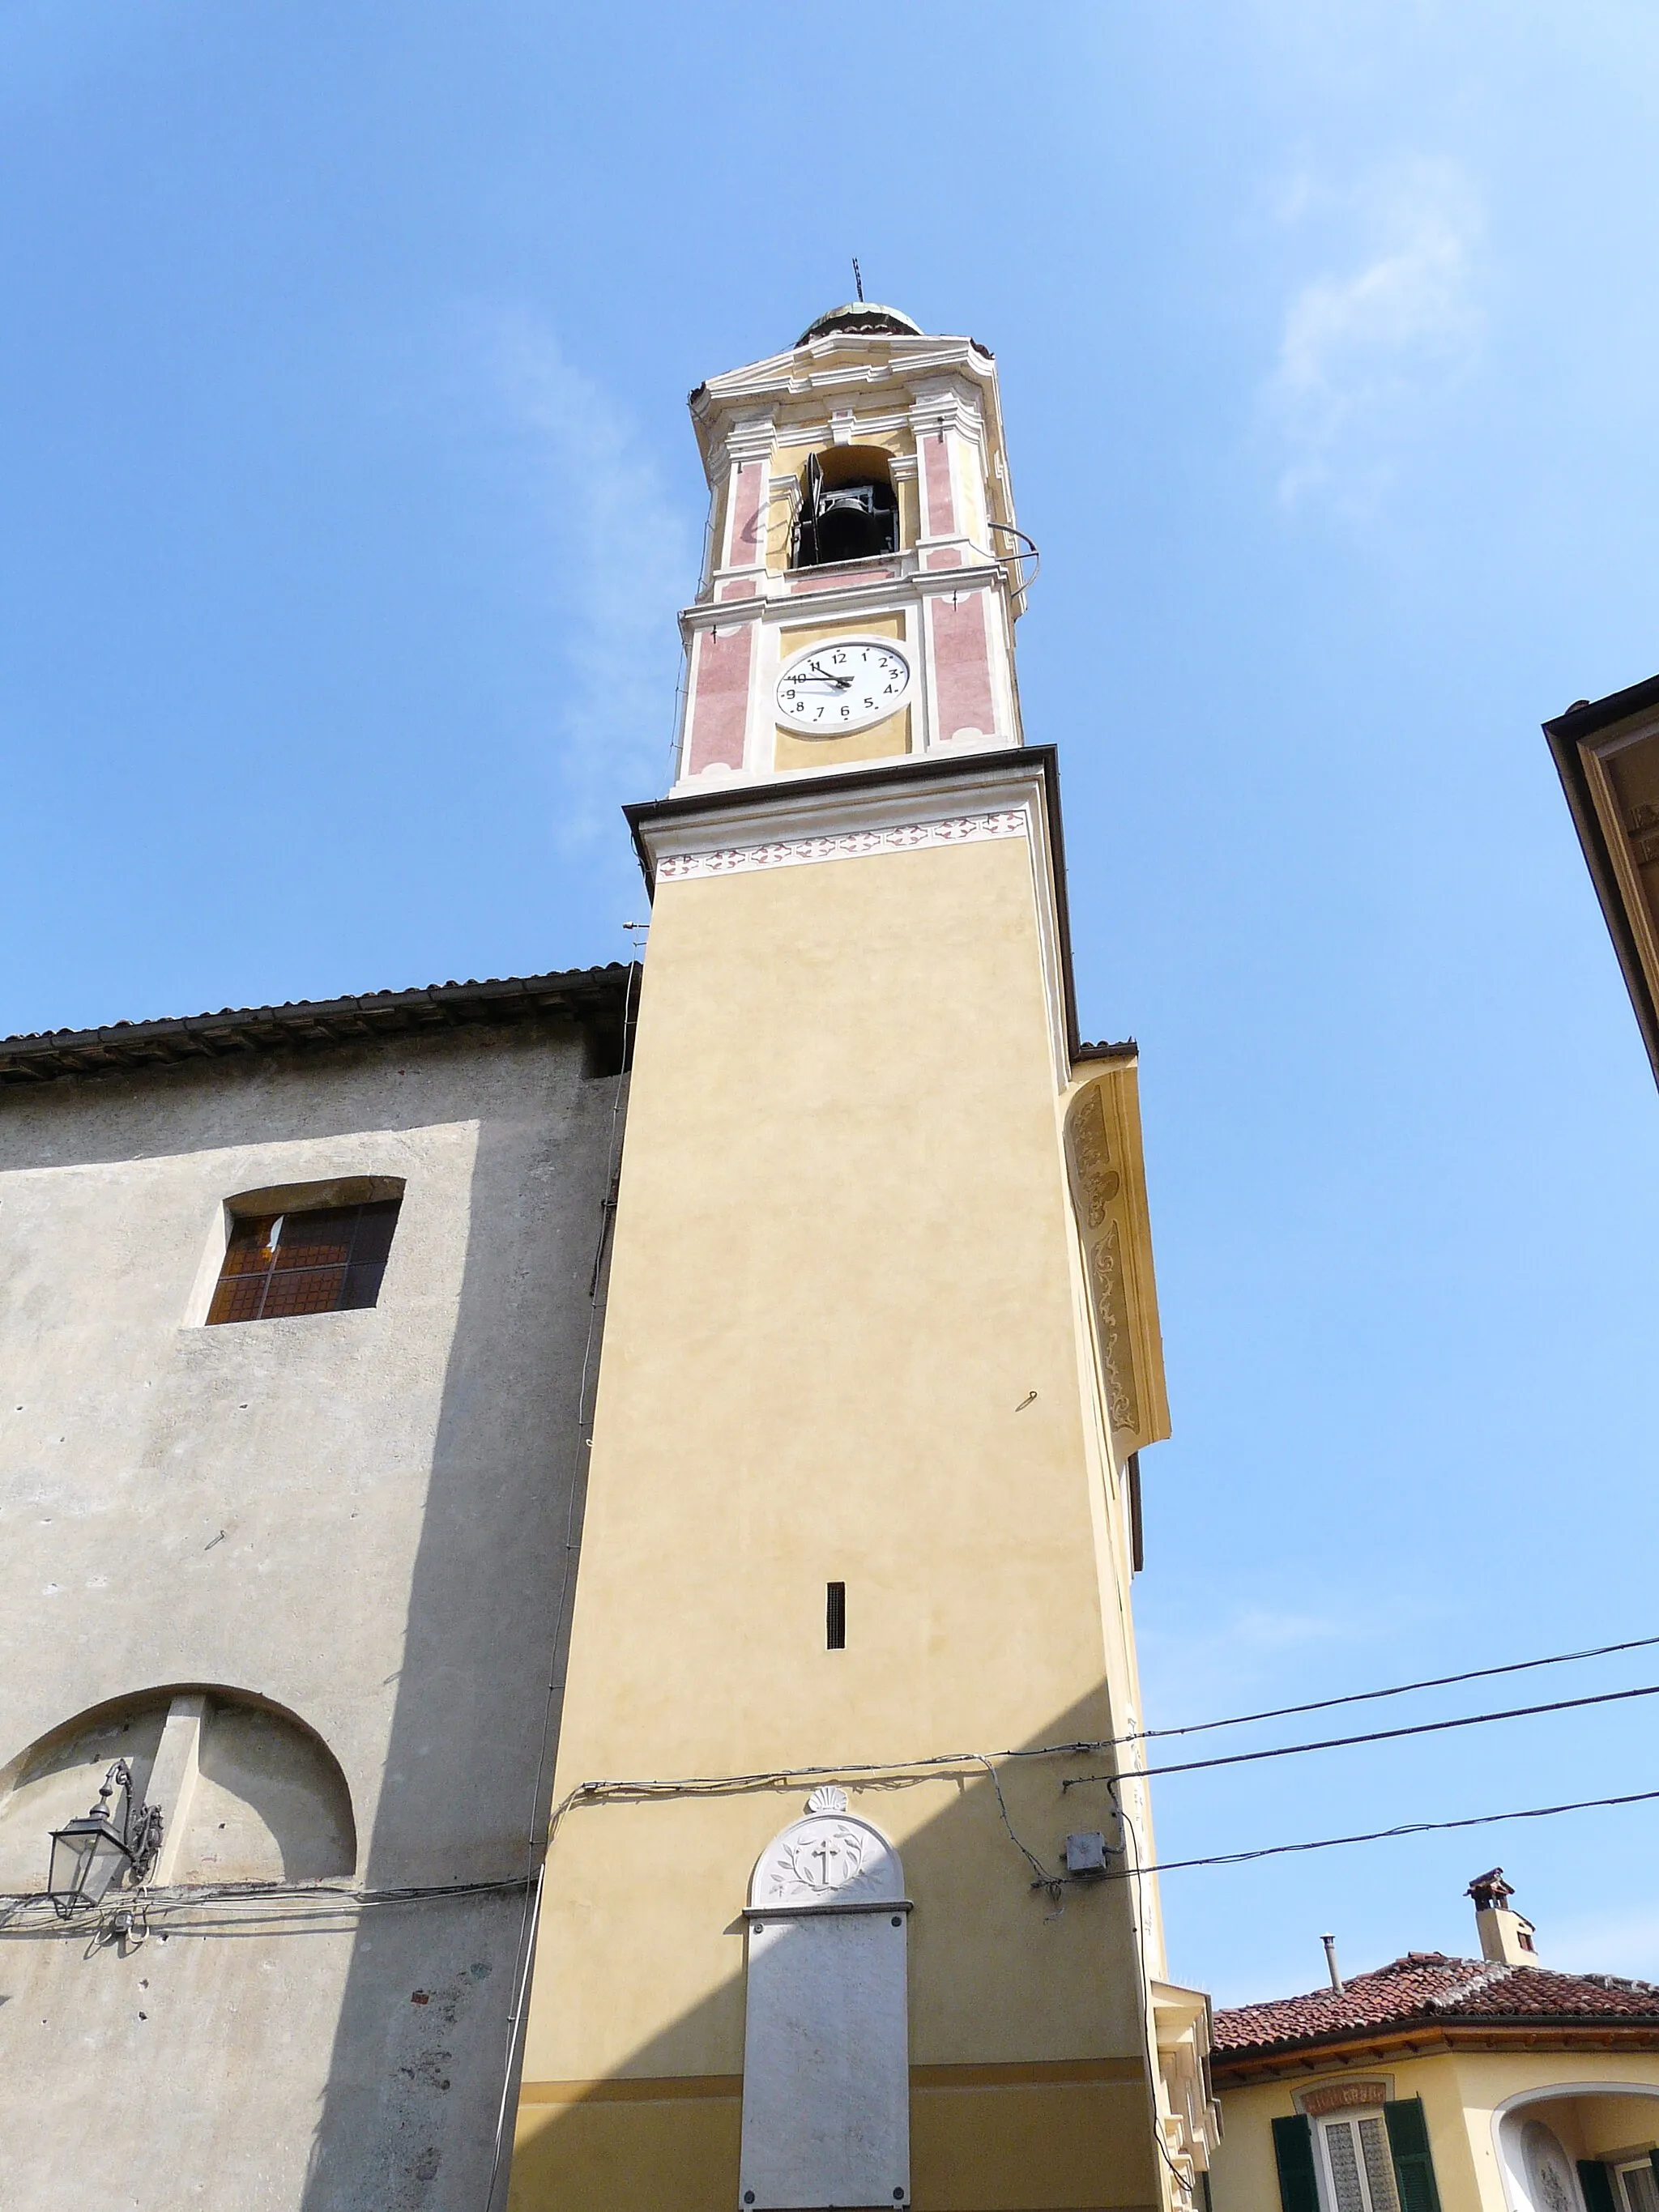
(1361, 354)
(1259, 1655)
(622, 558)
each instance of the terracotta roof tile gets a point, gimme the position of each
(599, 995)
(1428, 1986)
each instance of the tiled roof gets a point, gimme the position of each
(1427, 1986)
(595, 995)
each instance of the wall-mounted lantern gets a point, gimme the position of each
(99, 1849)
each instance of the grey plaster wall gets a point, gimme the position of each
(360, 1519)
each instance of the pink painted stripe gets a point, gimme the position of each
(941, 517)
(719, 704)
(962, 665)
(744, 539)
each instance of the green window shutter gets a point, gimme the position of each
(1413, 2168)
(1597, 2183)
(1293, 2150)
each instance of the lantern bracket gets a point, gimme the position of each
(91, 1854)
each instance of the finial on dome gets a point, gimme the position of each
(862, 315)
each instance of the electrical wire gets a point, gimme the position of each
(712, 1785)
(774, 1778)
(535, 1864)
(1373, 1735)
(1384, 1835)
(32, 1912)
(1397, 1690)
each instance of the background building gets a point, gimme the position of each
(303, 1571)
(1436, 2084)
(1607, 752)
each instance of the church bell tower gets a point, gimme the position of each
(818, 1923)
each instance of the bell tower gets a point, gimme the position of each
(820, 1921)
(860, 499)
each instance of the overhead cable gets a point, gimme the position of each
(1396, 1690)
(1371, 1735)
(1384, 1835)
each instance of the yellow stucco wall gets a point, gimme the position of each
(1461, 2092)
(844, 1261)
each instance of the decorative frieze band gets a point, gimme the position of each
(847, 845)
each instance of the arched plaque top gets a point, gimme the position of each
(829, 1858)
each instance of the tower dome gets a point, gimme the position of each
(862, 315)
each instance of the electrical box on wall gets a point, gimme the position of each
(1086, 1853)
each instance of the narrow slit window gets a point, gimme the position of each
(835, 1617)
(322, 1259)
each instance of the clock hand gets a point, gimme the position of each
(824, 676)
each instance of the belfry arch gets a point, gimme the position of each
(849, 507)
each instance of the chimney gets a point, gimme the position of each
(1505, 1937)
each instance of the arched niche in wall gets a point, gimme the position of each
(246, 1791)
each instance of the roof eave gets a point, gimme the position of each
(596, 996)
(1266, 2062)
(1569, 736)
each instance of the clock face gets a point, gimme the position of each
(845, 684)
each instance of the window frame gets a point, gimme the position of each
(1353, 2116)
(320, 1194)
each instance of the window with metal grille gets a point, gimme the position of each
(310, 1260)
(1360, 2166)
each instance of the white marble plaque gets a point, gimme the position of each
(826, 2070)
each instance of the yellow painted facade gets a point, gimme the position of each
(855, 1336)
(1602, 2103)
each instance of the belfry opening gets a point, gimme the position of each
(849, 509)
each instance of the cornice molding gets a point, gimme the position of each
(939, 793)
(808, 429)
(983, 572)
(845, 845)
(838, 360)
(1106, 1166)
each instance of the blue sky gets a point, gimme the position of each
(349, 497)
